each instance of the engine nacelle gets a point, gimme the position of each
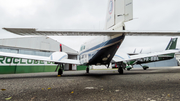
(58, 56)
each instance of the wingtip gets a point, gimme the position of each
(4, 28)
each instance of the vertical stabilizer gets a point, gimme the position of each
(118, 12)
(172, 44)
(110, 14)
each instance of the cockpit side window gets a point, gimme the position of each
(81, 48)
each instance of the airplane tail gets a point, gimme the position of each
(172, 45)
(118, 12)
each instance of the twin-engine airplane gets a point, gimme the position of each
(101, 50)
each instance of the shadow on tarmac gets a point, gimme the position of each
(93, 73)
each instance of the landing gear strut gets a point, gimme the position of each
(60, 70)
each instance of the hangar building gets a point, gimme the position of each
(40, 46)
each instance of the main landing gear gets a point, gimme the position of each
(121, 66)
(120, 70)
(144, 67)
(60, 70)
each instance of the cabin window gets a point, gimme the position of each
(82, 48)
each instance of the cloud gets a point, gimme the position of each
(90, 14)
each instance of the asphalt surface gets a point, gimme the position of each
(100, 85)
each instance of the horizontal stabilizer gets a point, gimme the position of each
(33, 31)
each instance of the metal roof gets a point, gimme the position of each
(42, 43)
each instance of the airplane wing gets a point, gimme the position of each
(33, 31)
(33, 57)
(118, 58)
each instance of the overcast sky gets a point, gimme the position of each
(149, 15)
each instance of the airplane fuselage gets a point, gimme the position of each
(100, 51)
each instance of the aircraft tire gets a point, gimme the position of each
(60, 72)
(120, 70)
(87, 70)
(145, 68)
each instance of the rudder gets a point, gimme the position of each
(172, 44)
(118, 12)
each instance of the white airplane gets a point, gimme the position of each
(100, 51)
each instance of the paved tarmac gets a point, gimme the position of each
(100, 85)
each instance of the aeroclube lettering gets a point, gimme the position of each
(10, 60)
